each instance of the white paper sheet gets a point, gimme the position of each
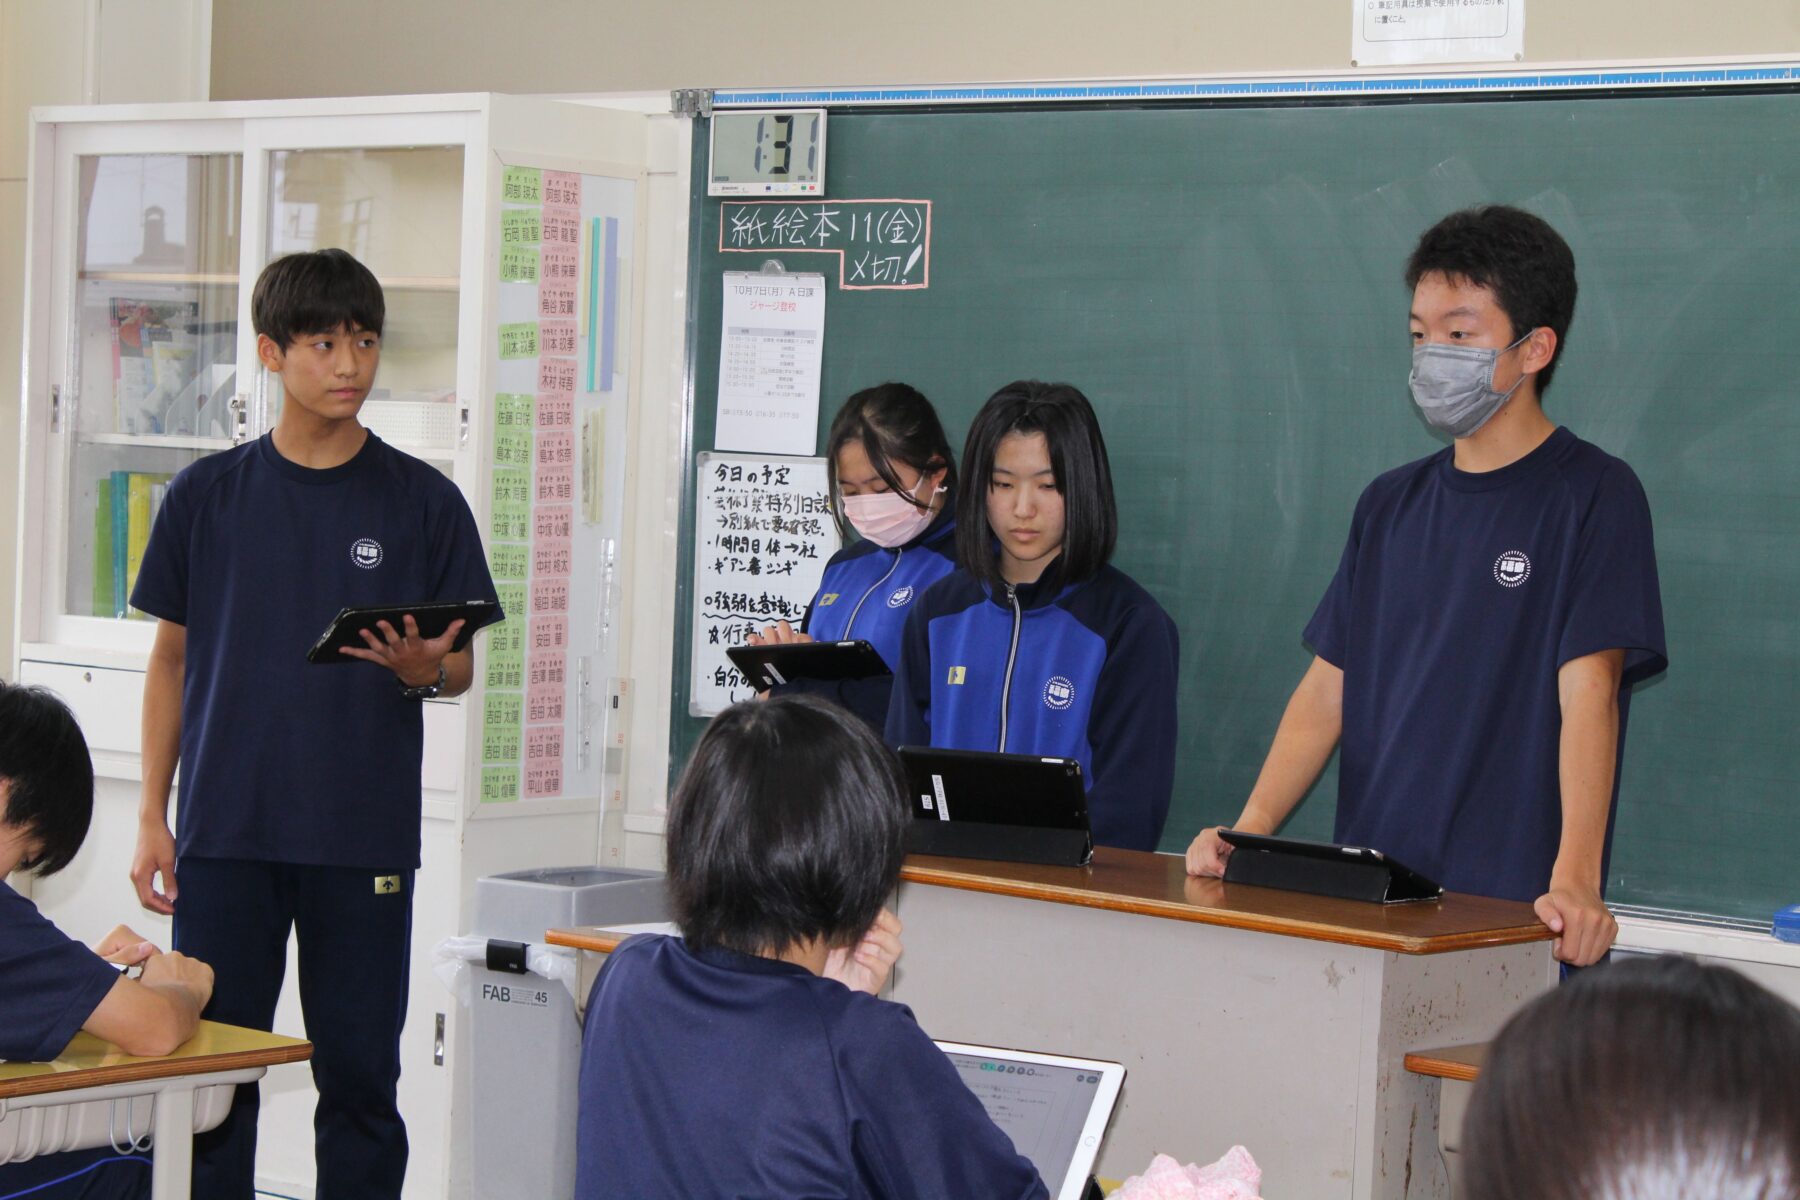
(769, 354)
(1401, 32)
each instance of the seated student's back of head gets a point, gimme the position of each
(46, 778)
(1650, 1079)
(731, 1061)
(785, 827)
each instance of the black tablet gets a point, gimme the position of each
(766, 666)
(1010, 807)
(432, 620)
(1323, 868)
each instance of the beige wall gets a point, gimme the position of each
(354, 47)
(42, 55)
(70, 52)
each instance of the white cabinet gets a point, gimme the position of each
(148, 225)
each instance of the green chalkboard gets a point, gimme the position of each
(1224, 283)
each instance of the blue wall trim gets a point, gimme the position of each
(1203, 89)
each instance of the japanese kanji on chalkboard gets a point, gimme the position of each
(763, 534)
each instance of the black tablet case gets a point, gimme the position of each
(1322, 869)
(808, 660)
(1004, 807)
(432, 620)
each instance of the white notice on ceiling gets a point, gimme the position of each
(1398, 32)
(774, 335)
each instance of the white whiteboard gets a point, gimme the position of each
(763, 533)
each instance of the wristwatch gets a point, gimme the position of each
(426, 691)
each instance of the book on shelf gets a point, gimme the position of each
(125, 510)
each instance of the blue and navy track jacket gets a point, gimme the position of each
(865, 593)
(1084, 671)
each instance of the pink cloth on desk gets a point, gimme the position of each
(1234, 1177)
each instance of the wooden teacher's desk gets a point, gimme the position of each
(94, 1092)
(1273, 1019)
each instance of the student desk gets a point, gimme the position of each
(43, 1097)
(1242, 1015)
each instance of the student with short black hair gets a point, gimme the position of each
(1037, 644)
(1494, 605)
(300, 799)
(750, 1056)
(891, 476)
(1655, 1079)
(51, 986)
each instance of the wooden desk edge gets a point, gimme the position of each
(138, 1069)
(594, 938)
(1452, 1062)
(1257, 922)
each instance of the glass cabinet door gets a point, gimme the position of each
(399, 211)
(152, 351)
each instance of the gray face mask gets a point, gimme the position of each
(1454, 385)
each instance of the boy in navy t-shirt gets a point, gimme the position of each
(52, 986)
(1492, 609)
(300, 795)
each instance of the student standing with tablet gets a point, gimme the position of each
(1493, 607)
(300, 783)
(1037, 645)
(750, 1056)
(892, 478)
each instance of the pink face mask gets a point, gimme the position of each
(888, 519)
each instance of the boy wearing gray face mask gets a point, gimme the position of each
(1493, 606)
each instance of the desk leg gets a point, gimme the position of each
(172, 1160)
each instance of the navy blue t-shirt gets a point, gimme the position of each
(1459, 597)
(717, 1074)
(283, 760)
(50, 984)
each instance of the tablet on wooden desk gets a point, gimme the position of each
(432, 618)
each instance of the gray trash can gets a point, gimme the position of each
(524, 1039)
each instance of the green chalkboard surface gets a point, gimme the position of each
(1224, 283)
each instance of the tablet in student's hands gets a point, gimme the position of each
(432, 619)
(767, 665)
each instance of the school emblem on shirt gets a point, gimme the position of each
(958, 674)
(1512, 568)
(366, 553)
(900, 598)
(1059, 692)
(387, 885)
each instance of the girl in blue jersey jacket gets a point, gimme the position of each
(1037, 645)
(892, 476)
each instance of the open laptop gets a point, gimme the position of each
(1010, 807)
(1054, 1108)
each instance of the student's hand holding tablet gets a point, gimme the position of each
(778, 634)
(412, 658)
(866, 966)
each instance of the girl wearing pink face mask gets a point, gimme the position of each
(893, 478)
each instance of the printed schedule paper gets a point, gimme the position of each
(774, 338)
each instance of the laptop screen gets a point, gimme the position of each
(1041, 1107)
